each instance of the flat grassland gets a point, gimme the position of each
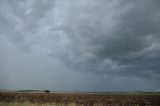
(79, 99)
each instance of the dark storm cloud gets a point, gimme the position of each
(117, 38)
(113, 37)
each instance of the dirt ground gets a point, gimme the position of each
(84, 99)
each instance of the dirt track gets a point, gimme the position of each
(85, 99)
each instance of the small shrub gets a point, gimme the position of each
(47, 91)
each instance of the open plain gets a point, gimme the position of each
(79, 99)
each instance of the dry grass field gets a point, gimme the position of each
(78, 99)
(35, 104)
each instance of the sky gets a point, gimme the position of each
(80, 45)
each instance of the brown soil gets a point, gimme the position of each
(85, 99)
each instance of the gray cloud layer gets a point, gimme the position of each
(104, 37)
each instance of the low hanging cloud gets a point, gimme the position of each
(106, 37)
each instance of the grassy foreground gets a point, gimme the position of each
(79, 99)
(35, 104)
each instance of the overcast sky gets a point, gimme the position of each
(80, 45)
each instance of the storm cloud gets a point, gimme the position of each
(113, 39)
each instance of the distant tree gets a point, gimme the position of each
(47, 91)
